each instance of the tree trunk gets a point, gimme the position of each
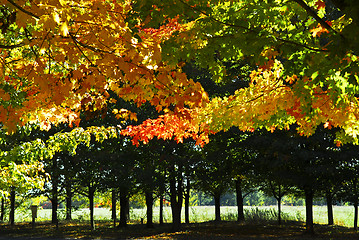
(161, 209)
(113, 207)
(176, 216)
(279, 204)
(239, 197)
(176, 192)
(54, 203)
(309, 210)
(2, 209)
(128, 208)
(12, 207)
(329, 198)
(149, 211)
(123, 207)
(356, 213)
(68, 201)
(186, 202)
(91, 199)
(54, 192)
(355, 203)
(217, 207)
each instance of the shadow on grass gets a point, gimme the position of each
(198, 231)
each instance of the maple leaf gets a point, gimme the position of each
(88, 48)
(317, 31)
(64, 29)
(328, 125)
(320, 4)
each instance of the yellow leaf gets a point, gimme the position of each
(64, 29)
(63, 2)
(57, 18)
(156, 55)
(21, 19)
(49, 22)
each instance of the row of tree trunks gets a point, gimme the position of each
(176, 194)
(176, 207)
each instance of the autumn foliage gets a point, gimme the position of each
(67, 55)
(61, 57)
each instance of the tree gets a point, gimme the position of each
(301, 53)
(241, 157)
(2, 209)
(302, 56)
(147, 175)
(213, 171)
(20, 169)
(175, 176)
(72, 54)
(87, 181)
(349, 173)
(58, 59)
(120, 175)
(308, 164)
(269, 164)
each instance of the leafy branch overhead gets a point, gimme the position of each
(303, 56)
(23, 165)
(59, 58)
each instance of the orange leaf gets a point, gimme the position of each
(320, 4)
(318, 31)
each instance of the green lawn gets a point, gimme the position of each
(343, 215)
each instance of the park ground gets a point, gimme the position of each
(260, 224)
(201, 231)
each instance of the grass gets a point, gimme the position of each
(343, 215)
(199, 231)
(260, 224)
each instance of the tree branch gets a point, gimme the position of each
(254, 31)
(312, 13)
(78, 47)
(27, 33)
(281, 40)
(215, 19)
(22, 9)
(302, 45)
(11, 46)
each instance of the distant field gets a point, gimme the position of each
(343, 215)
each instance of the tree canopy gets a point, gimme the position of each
(59, 57)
